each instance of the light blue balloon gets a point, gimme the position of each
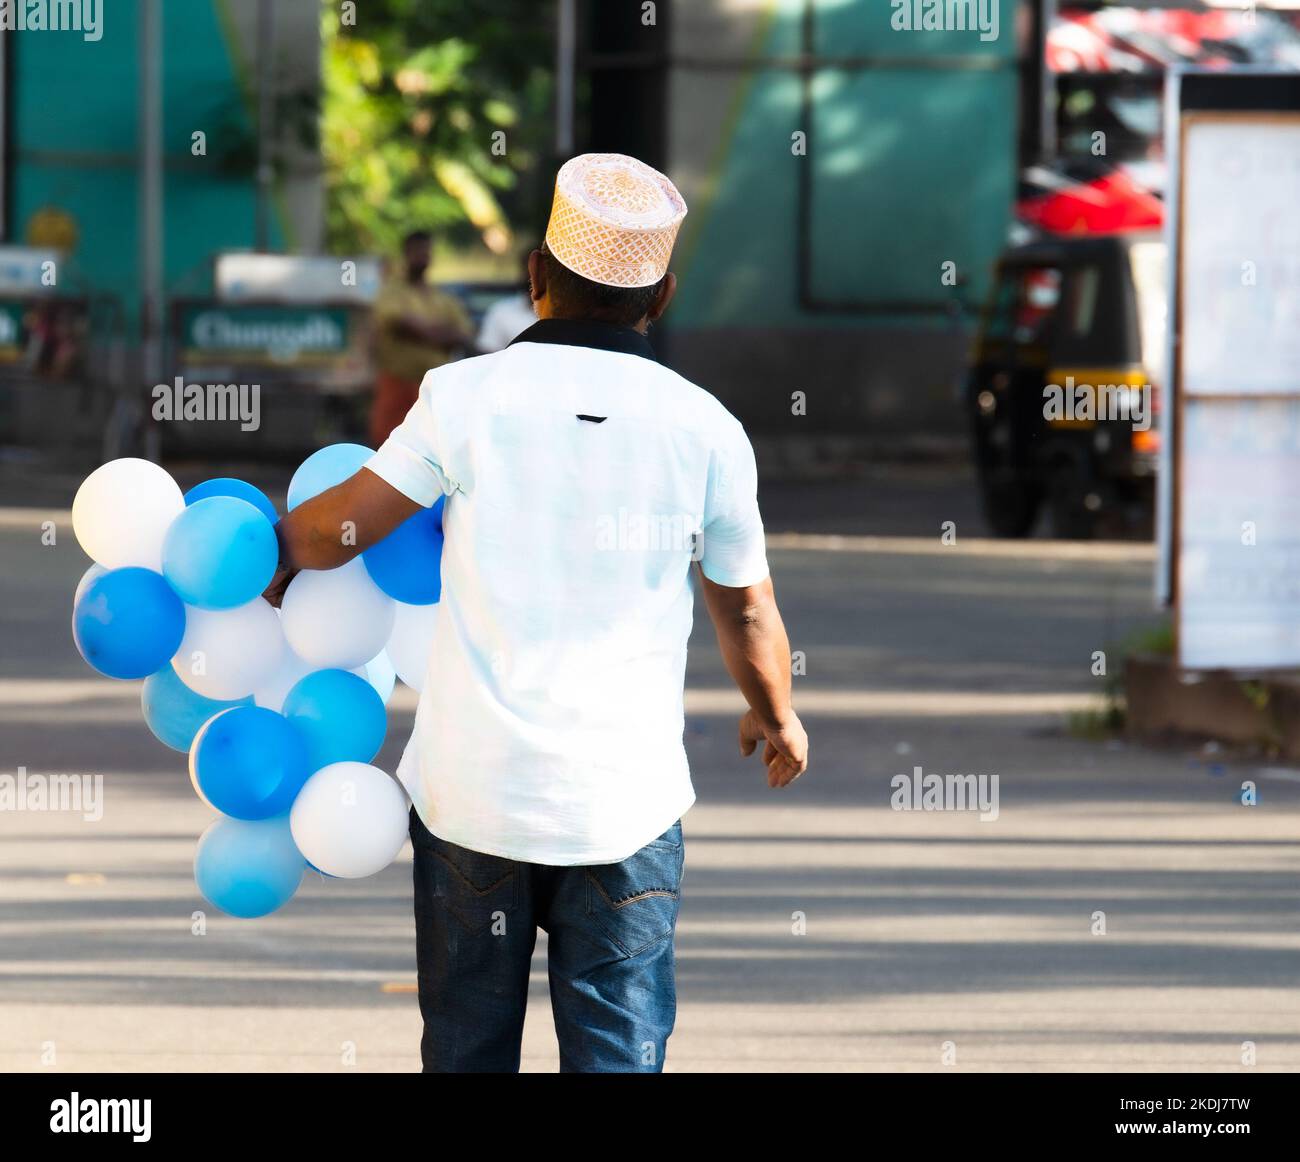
(380, 674)
(340, 716)
(174, 712)
(325, 468)
(219, 553)
(250, 762)
(407, 564)
(128, 623)
(229, 486)
(248, 868)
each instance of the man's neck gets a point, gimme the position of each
(641, 326)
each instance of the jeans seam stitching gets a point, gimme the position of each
(470, 883)
(647, 894)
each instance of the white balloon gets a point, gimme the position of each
(336, 618)
(412, 641)
(122, 512)
(380, 674)
(229, 653)
(349, 820)
(272, 692)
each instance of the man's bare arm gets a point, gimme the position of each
(332, 528)
(433, 334)
(756, 651)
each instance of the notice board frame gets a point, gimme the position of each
(1197, 96)
(1189, 89)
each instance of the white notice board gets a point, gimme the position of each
(1237, 391)
(1239, 544)
(1241, 254)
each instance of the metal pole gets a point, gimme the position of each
(4, 129)
(1046, 84)
(566, 44)
(150, 179)
(265, 120)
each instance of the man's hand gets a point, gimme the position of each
(439, 335)
(786, 749)
(274, 592)
(756, 651)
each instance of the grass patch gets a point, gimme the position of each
(1108, 719)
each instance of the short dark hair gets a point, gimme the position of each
(575, 297)
(416, 236)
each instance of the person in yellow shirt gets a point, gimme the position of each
(418, 327)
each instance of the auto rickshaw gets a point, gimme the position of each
(1063, 388)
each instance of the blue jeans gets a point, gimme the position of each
(610, 955)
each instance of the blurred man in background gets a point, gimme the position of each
(418, 327)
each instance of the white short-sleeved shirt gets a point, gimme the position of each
(583, 479)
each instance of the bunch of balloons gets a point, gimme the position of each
(281, 711)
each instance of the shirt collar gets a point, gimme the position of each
(588, 333)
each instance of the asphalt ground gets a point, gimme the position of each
(1123, 910)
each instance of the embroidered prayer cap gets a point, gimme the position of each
(614, 220)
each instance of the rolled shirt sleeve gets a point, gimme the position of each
(412, 459)
(734, 549)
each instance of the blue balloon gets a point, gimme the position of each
(340, 716)
(249, 762)
(407, 564)
(174, 712)
(248, 868)
(128, 623)
(95, 570)
(229, 486)
(219, 553)
(325, 468)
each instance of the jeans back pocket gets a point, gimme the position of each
(477, 889)
(634, 902)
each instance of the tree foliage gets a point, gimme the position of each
(435, 115)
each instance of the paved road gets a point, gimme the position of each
(924, 934)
